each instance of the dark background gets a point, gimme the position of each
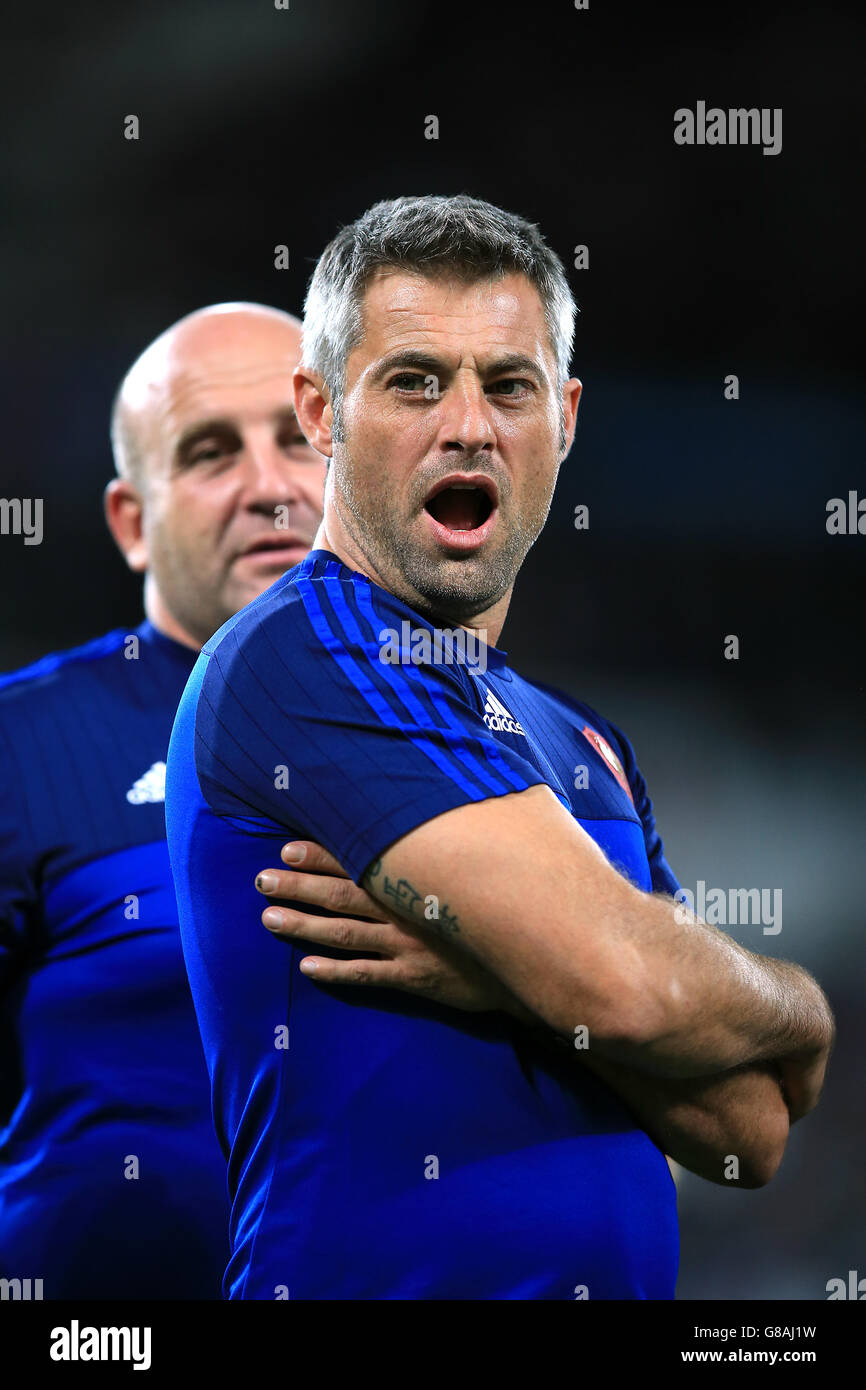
(261, 127)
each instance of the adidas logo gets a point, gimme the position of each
(149, 787)
(497, 718)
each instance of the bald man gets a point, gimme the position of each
(111, 1181)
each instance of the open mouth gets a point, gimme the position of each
(462, 504)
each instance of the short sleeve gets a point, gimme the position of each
(324, 716)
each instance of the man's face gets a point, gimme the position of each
(232, 491)
(453, 432)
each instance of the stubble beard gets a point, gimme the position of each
(456, 588)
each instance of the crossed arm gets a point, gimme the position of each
(716, 1050)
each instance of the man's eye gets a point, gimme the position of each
(501, 388)
(409, 381)
(207, 453)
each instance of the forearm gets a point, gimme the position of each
(730, 1128)
(654, 988)
(688, 1108)
(702, 1122)
(717, 1005)
(710, 1005)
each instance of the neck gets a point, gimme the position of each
(157, 614)
(332, 535)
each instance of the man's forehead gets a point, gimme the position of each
(232, 371)
(188, 390)
(239, 381)
(406, 307)
(212, 352)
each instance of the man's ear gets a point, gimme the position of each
(313, 409)
(570, 401)
(124, 514)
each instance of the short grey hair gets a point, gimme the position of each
(460, 236)
(124, 441)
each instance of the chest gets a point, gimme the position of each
(576, 760)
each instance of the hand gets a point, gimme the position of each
(409, 959)
(801, 1071)
(802, 1078)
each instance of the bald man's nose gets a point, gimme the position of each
(465, 421)
(269, 477)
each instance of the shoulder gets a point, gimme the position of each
(41, 704)
(320, 620)
(52, 676)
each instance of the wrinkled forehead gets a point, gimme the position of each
(502, 314)
(237, 386)
(236, 375)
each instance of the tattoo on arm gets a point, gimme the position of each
(402, 893)
(372, 873)
(410, 901)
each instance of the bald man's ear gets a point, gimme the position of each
(313, 409)
(123, 512)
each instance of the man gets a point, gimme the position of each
(111, 1184)
(382, 1142)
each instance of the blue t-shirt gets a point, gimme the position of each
(380, 1145)
(112, 1184)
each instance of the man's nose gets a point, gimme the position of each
(268, 475)
(466, 420)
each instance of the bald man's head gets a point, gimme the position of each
(217, 491)
(203, 336)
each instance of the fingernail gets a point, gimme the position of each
(272, 918)
(308, 967)
(293, 854)
(266, 883)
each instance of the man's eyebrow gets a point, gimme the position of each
(220, 426)
(514, 362)
(412, 360)
(409, 359)
(203, 429)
